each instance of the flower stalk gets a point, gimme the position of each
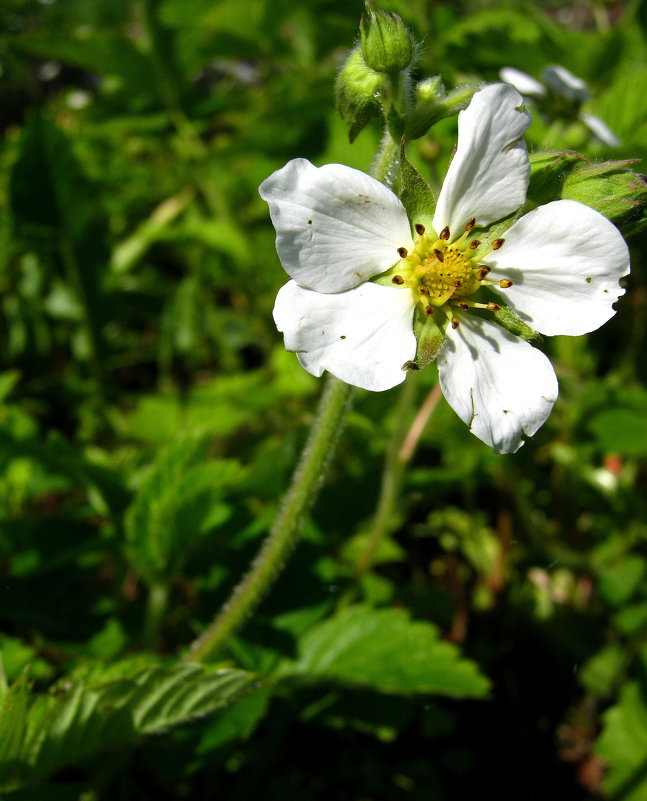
(280, 541)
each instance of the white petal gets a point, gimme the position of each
(599, 129)
(335, 226)
(501, 386)
(565, 83)
(522, 82)
(565, 260)
(488, 176)
(363, 336)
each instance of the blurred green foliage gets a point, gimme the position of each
(150, 419)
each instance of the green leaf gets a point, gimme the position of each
(86, 720)
(623, 745)
(385, 650)
(179, 500)
(13, 722)
(620, 430)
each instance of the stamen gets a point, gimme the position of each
(420, 228)
(397, 279)
(403, 253)
(464, 305)
(439, 255)
(470, 224)
(429, 311)
(493, 307)
(482, 273)
(444, 234)
(458, 284)
(474, 244)
(497, 244)
(505, 283)
(454, 323)
(423, 290)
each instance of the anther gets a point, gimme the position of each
(497, 244)
(454, 323)
(423, 290)
(397, 279)
(493, 306)
(464, 305)
(429, 311)
(457, 284)
(470, 224)
(439, 255)
(403, 253)
(444, 234)
(420, 228)
(474, 244)
(482, 273)
(504, 283)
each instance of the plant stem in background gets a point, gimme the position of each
(271, 558)
(399, 453)
(158, 595)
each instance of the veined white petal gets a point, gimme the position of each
(522, 82)
(565, 83)
(336, 227)
(565, 260)
(363, 336)
(599, 129)
(502, 387)
(488, 177)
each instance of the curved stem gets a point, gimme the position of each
(286, 529)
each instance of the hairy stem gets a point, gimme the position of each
(287, 527)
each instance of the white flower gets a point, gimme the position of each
(558, 268)
(562, 84)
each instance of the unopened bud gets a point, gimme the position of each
(387, 44)
(356, 93)
(433, 103)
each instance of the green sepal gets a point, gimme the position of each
(415, 192)
(612, 189)
(430, 337)
(356, 93)
(505, 317)
(548, 171)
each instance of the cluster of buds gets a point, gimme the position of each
(375, 81)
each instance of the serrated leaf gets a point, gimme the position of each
(387, 651)
(86, 720)
(623, 745)
(173, 505)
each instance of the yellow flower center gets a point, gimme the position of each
(443, 274)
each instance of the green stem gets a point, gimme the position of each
(287, 527)
(401, 448)
(391, 478)
(386, 163)
(155, 610)
(90, 322)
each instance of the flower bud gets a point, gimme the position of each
(386, 42)
(611, 188)
(433, 104)
(356, 93)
